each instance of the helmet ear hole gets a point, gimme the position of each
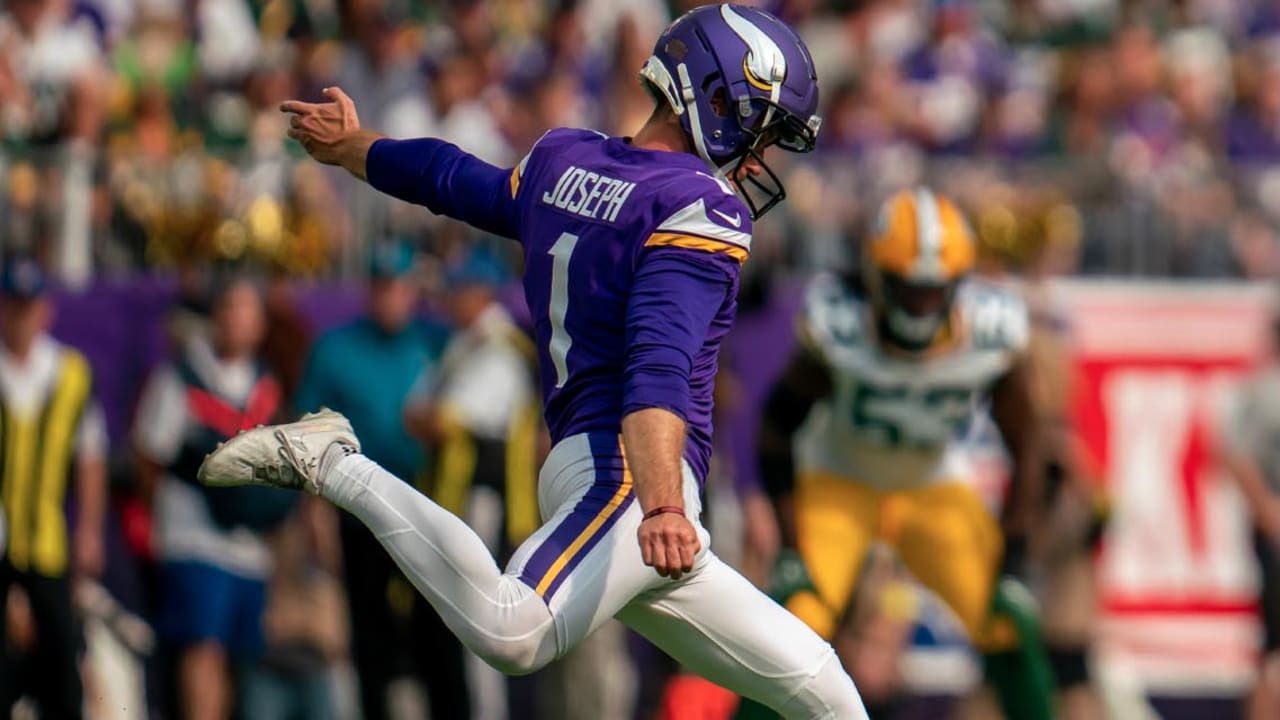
(720, 102)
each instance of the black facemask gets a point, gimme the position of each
(786, 130)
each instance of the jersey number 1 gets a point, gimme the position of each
(560, 340)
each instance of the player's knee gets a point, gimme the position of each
(514, 656)
(828, 694)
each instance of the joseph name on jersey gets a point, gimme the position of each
(893, 421)
(589, 194)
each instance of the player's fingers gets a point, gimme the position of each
(681, 560)
(344, 101)
(688, 551)
(660, 558)
(298, 107)
(336, 94)
(646, 550)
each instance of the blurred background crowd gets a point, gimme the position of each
(215, 277)
(145, 134)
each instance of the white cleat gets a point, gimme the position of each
(285, 456)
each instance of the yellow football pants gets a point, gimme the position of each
(943, 533)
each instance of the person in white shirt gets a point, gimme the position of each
(1249, 448)
(212, 550)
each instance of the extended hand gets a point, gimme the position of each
(669, 544)
(322, 127)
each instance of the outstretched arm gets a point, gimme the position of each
(425, 171)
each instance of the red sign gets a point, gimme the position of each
(1159, 366)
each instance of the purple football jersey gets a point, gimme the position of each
(631, 275)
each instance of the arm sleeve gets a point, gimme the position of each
(675, 296)
(161, 419)
(447, 181)
(91, 435)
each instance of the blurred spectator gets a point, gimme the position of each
(456, 110)
(365, 370)
(376, 67)
(1251, 454)
(210, 542)
(288, 337)
(480, 404)
(1199, 83)
(51, 73)
(1086, 93)
(51, 77)
(53, 434)
(228, 41)
(627, 103)
(1254, 131)
(949, 77)
(1148, 121)
(306, 631)
(159, 55)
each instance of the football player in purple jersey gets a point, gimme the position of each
(632, 252)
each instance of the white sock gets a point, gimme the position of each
(497, 616)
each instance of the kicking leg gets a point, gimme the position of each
(562, 582)
(723, 628)
(496, 615)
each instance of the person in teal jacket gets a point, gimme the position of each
(367, 370)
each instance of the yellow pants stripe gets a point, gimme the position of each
(587, 533)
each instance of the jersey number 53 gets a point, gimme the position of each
(903, 416)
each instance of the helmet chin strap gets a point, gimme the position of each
(695, 122)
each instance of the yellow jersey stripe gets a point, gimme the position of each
(457, 465)
(22, 445)
(49, 553)
(9, 497)
(693, 242)
(515, 181)
(522, 477)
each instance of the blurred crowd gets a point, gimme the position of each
(146, 134)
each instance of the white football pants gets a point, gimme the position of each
(583, 567)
